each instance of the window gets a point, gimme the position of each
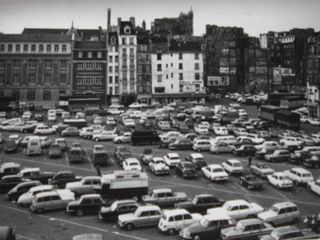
(16, 64)
(46, 95)
(124, 41)
(197, 87)
(197, 76)
(131, 41)
(33, 47)
(110, 90)
(64, 48)
(196, 66)
(158, 56)
(180, 66)
(32, 78)
(178, 218)
(25, 48)
(131, 51)
(99, 54)
(2, 64)
(41, 48)
(1, 79)
(159, 78)
(144, 214)
(48, 64)
(16, 79)
(196, 56)
(15, 94)
(159, 67)
(9, 47)
(89, 54)
(110, 69)
(80, 54)
(110, 79)
(116, 79)
(56, 48)
(167, 76)
(63, 77)
(116, 90)
(47, 79)
(63, 64)
(180, 76)
(111, 59)
(171, 75)
(31, 95)
(180, 56)
(116, 58)
(180, 87)
(32, 64)
(2, 48)
(131, 86)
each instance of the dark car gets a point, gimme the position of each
(191, 136)
(200, 203)
(251, 182)
(36, 174)
(76, 155)
(313, 162)
(197, 159)
(9, 168)
(87, 204)
(208, 228)
(70, 132)
(10, 147)
(244, 150)
(61, 178)
(186, 170)
(20, 189)
(7, 233)
(10, 181)
(121, 153)
(298, 157)
(144, 137)
(55, 151)
(116, 208)
(243, 141)
(264, 151)
(28, 128)
(181, 144)
(183, 127)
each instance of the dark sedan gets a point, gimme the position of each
(61, 178)
(89, 203)
(251, 182)
(70, 132)
(313, 162)
(20, 189)
(8, 182)
(10, 147)
(299, 156)
(197, 159)
(55, 151)
(116, 208)
(186, 170)
(244, 150)
(181, 144)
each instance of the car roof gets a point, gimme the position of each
(173, 154)
(286, 229)
(173, 212)
(214, 166)
(234, 160)
(132, 160)
(284, 204)
(301, 170)
(250, 221)
(9, 165)
(29, 170)
(280, 174)
(196, 155)
(10, 176)
(125, 201)
(41, 187)
(47, 194)
(91, 196)
(219, 214)
(161, 190)
(237, 201)
(157, 158)
(149, 207)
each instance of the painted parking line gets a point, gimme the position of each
(65, 221)
(23, 237)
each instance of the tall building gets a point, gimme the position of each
(36, 65)
(177, 74)
(224, 54)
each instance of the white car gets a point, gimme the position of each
(129, 122)
(299, 175)
(16, 138)
(110, 121)
(233, 166)
(104, 135)
(26, 199)
(238, 209)
(280, 180)
(44, 130)
(220, 130)
(158, 166)
(314, 186)
(215, 172)
(201, 145)
(291, 141)
(172, 159)
(97, 120)
(123, 138)
(201, 129)
(267, 145)
(314, 121)
(131, 164)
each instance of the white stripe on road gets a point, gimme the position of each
(22, 237)
(72, 223)
(157, 180)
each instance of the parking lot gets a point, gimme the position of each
(60, 225)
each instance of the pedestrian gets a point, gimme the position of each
(98, 170)
(249, 161)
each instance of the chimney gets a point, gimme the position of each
(133, 22)
(109, 19)
(119, 21)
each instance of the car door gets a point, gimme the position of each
(234, 212)
(281, 216)
(187, 220)
(143, 219)
(154, 217)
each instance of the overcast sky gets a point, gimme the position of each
(255, 16)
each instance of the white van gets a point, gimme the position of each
(34, 147)
(52, 114)
(229, 139)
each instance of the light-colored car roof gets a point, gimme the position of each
(9, 165)
(173, 212)
(196, 155)
(161, 190)
(301, 170)
(173, 155)
(284, 204)
(219, 214)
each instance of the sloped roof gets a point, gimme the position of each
(185, 46)
(31, 37)
(45, 30)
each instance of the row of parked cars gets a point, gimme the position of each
(203, 217)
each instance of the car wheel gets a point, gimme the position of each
(198, 150)
(96, 139)
(171, 231)
(196, 237)
(118, 141)
(129, 226)
(79, 212)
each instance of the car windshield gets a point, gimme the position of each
(133, 164)
(306, 175)
(174, 158)
(199, 159)
(217, 170)
(274, 209)
(159, 162)
(236, 164)
(187, 165)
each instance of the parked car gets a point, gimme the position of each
(251, 182)
(144, 216)
(215, 172)
(200, 203)
(280, 180)
(87, 185)
(36, 174)
(121, 153)
(76, 155)
(9, 181)
(53, 200)
(104, 135)
(281, 213)
(278, 156)
(299, 176)
(44, 130)
(55, 151)
(117, 208)
(238, 209)
(314, 186)
(246, 229)
(131, 164)
(181, 144)
(244, 150)
(232, 166)
(146, 155)
(312, 162)
(197, 159)
(283, 233)
(186, 169)
(10, 147)
(70, 132)
(220, 147)
(158, 166)
(25, 199)
(89, 203)
(123, 138)
(201, 145)
(164, 197)
(208, 228)
(7, 233)
(61, 178)
(172, 159)
(9, 168)
(20, 189)
(261, 170)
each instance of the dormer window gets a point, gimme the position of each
(113, 40)
(127, 29)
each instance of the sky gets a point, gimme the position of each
(255, 16)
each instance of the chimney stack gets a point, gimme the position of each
(109, 19)
(133, 22)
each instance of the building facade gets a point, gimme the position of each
(36, 66)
